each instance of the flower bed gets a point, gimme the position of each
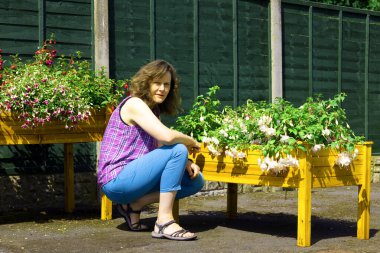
(50, 88)
(279, 130)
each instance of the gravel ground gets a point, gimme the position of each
(266, 222)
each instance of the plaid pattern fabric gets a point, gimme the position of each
(122, 144)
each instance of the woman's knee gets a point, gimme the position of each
(181, 149)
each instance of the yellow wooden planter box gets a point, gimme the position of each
(314, 171)
(11, 133)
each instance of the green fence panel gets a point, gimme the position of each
(19, 27)
(129, 36)
(329, 49)
(210, 43)
(374, 82)
(215, 48)
(253, 51)
(174, 41)
(353, 69)
(325, 52)
(295, 52)
(70, 21)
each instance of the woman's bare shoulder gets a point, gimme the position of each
(134, 103)
(135, 106)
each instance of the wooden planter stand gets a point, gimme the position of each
(314, 171)
(11, 133)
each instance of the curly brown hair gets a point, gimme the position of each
(154, 70)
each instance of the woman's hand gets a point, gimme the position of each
(192, 169)
(194, 146)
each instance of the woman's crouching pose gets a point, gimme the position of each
(141, 160)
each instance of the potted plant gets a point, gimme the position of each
(278, 144)
(55, 95)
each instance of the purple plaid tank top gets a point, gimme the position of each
(122, 144)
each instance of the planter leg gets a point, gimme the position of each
(69, 177)
(232, 200)
(106, 208)
(304, 205)
(364, 197)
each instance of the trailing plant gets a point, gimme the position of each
(203, 116)
(277, 129)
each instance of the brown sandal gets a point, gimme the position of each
(137, 227)
(176, 235)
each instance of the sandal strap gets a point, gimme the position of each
(163, 226)
(136, 225)
(179, 233)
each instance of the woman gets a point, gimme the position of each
(141, 160)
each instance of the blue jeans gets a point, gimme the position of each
(161, 170)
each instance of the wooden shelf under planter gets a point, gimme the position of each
(54, 132)
(314, 171)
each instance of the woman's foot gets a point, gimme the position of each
(132, 217)
(171, 230)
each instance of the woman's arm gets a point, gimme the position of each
(136, 112)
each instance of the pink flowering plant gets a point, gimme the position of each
(51, 87)
(277, 129)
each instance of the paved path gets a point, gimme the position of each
(266, 222)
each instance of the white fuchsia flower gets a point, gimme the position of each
(270, 164)
(309, 136)
(264, 120)
(256, 141)
(355, 154)
(316, 148)
(326, 132)
(284, 138)
(343, 160)
(289, 161)
(241, 155)
(270, 132)
(215, 140)
(205, 139)
(263, 166)
(223, 132)
(213, 150)
(263, 128)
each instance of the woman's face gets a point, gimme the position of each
(160, 87)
